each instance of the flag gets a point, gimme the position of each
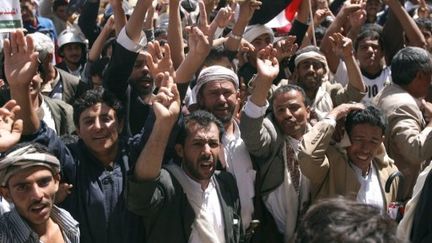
(282, 21)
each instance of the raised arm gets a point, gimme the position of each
(256, 133)
(119, 14)
(96, 50)
(21, 68)
(247, 9)
(166, 105)
(342, 46)
(400, 21)
(314, 145)
(175, 35)
(135, 24)
(336, 26)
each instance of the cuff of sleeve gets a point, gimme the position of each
(254, 111)
(124, 40)
(330, 120)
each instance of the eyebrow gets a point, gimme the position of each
(24, 182)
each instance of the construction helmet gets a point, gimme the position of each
(69, 36)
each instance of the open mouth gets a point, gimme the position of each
(39, 209)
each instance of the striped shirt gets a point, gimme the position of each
(14, 229)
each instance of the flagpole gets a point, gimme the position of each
(311, 16)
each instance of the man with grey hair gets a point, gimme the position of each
(56, 113)
(29, 178)
(407, 137)
(57, 83)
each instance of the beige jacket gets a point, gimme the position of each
(328, 169)
(408, 139)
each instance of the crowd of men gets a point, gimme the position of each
(193, 121)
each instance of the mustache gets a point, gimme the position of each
(206, 158)
(42, 202)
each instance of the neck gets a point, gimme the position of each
(204, 184)
(72, 66)
(107, 158)
(44, 228)
(311, 93)
(229, 128)
(147, 98)
(371, 72)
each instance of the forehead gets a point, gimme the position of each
(290, 97)
(309, 61)
(196, 131)
(366, 130)
(369, 41)
(72, 46)
(97, 110)
(262, 37)
(218, 84)
(29, 174)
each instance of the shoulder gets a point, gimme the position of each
(65, 76)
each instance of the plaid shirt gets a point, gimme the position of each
(14, 229)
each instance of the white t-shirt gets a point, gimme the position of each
(373, 86)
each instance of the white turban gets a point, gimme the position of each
(254, 31)
(213, 73)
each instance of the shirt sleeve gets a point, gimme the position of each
(124, 40)
(254, 111)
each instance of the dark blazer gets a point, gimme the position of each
(166, 211)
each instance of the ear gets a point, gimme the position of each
(308, 110)
(4, 191)
(179, 150)
(57, 178)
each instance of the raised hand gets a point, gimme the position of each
(350, 7)
(286, 47)
(166, 104)
(341, 45)
(21, 61)
(198, 42)
(208, 30)
(10, 129)
(268, 69)
(320, 15)
(224, 16)
(342, 110)
(158, 59)
(267, 64)
(357, 18)
(247, 9)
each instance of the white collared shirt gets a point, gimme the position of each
(285, 193)
(207, 200)
(239, 163)
(44, 113)
(370, 189)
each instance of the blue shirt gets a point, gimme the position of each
(44, 26)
